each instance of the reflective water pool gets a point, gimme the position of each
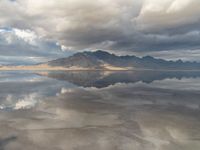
(133, 110)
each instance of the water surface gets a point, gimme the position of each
(133, 110)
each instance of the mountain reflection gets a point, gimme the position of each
(104, 79)
(140, 111)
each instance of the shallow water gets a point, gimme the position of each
(139, 110)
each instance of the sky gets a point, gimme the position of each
(33, 31)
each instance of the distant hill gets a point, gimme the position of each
(104, 60)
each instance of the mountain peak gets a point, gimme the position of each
(101, 52)
(148, 57)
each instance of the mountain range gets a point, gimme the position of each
(103, 60)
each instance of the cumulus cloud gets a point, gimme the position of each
(118, 25)
(26, 35)
(168, 14)
(75, 24)
(25, 46)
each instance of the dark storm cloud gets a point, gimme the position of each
(128, 25)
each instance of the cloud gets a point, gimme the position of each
(74, 23)
(26, 35)
(168, 14)
(20, 46)
(15, 36)
(117, 25)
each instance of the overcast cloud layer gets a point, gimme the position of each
(38, 28)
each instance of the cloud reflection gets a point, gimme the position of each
(123, 116)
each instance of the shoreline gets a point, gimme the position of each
(25, 68)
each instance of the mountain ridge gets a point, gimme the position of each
(99, 59)
(102, 60)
